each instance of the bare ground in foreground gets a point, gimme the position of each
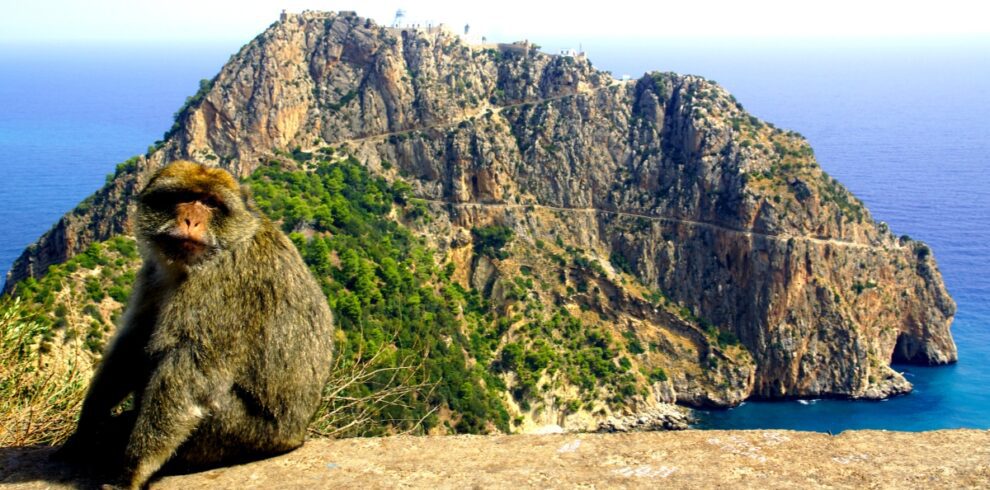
(688, 459)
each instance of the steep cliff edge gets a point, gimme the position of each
(657, 208)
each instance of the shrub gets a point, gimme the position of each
(657, 375)
(490, 241)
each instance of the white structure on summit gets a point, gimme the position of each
(399, 15)
(471, 38)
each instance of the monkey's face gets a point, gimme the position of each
(186, 235)
(189, 212)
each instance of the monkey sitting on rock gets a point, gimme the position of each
(226, 342)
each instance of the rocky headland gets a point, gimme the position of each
(719, 258)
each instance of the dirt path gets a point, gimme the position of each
(481, 109)
(697, 224)
(689, 459)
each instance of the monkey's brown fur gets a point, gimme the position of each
(226, 343)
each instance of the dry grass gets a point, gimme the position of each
(359, 397)
(39, 395)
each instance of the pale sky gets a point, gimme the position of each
(203, 20)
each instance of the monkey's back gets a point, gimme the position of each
(288, 373)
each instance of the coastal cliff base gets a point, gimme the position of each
(686, 459)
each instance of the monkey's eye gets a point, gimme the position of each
(211, 201)
(165, 200)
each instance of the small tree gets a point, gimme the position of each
(490, 241)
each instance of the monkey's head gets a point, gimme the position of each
(188, 212)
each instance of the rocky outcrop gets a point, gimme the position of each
(666, 180)
(661, 417)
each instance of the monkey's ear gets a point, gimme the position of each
(248, 199)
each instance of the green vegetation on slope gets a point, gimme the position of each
(82, 297)
(583, 356)
(389, 295)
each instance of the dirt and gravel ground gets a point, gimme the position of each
(689, 459)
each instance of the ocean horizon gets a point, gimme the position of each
(904, 126)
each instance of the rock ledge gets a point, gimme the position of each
(683, 459)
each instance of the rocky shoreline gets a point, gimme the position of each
(663, 416)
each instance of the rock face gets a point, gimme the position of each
(661, 417)
(665, 179)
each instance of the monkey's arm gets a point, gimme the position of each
(175, 401)
(126, 366)
(124, 369)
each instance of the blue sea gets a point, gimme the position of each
(905, 124)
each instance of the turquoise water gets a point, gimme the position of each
(905, 126)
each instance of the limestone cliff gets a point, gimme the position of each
(691, 223)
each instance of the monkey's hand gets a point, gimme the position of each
(173, 405)
(98, 445)
(73, 450)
